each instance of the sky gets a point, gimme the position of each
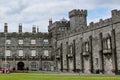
(38, 12)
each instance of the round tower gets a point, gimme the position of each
(78, 18)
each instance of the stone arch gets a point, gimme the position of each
(20, 66)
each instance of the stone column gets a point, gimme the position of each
(61, 55)
(74, 55)
(67, 56)
(101, 53)
(81, 56)
(114, 54)
(91, 54)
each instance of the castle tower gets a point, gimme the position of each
(77, 18)
(20, 28)
(5, 27)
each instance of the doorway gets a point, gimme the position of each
(20, 66)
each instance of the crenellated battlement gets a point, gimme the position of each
(115, 13)
(76, 12)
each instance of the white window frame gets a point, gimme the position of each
(86, 46)
(7, 53)
(8, 41)
(20, 41)
(20, 53)
(108, 43)
(33, 41)
(46, 53)
(46, 41)
(33, 53)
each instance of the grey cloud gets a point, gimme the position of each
(38, 12)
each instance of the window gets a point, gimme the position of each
(86, 46)
(20, 53)
(33, 52)
(71, 50)
(96, 61)
(108, 43)
(34, 65)
(45, 41)
(8, 41)
(20, 41)
(7, 52)
(33, 41)
(46, 53)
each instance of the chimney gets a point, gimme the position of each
(34, 29)
(5, 27)
(20, 28)
(37, 29)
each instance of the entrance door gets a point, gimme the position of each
(20, 66)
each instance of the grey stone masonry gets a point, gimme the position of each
(68, 46)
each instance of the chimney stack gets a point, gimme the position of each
(20, 28)
(5, 27)
(34, 29)
(37, 29)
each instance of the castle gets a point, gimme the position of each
(69, 46)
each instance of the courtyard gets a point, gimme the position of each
(56, 76)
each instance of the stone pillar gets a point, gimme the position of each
(101, 53)
(20, 28)
(114, 54)
(74, 55)
(91, 54)
(67, 56)
(5, 27)
(61, 55)
(81, 56)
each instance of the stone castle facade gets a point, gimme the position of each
(69, 46)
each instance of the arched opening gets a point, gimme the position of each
(20, 66)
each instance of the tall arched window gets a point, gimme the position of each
(108, 43)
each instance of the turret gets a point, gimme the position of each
(77, 18)
(50, 21)
(5, 27)
(115, 13)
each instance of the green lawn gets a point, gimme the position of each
(53, 76)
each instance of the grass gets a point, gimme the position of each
(57, 76)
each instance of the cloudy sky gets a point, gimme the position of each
(38, 12)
